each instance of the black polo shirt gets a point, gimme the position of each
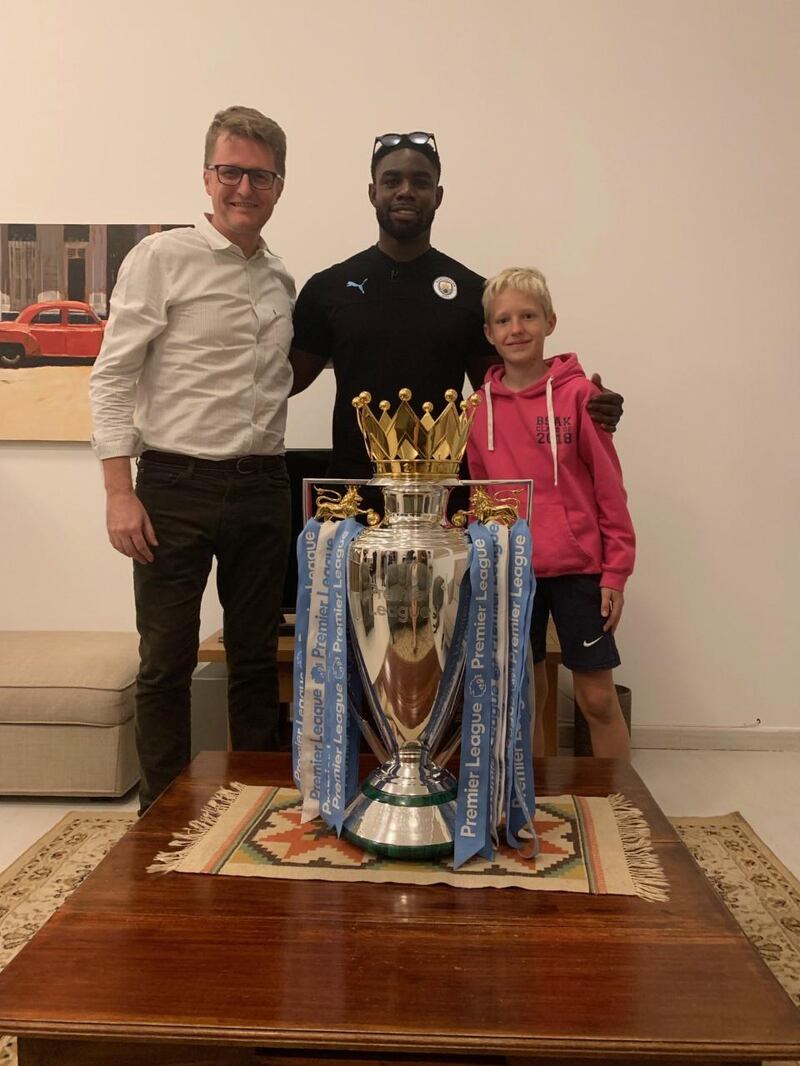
(387, 326)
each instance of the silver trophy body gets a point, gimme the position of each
(407, 624)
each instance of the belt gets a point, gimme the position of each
(243, 464)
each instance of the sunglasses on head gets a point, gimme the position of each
(394, 140)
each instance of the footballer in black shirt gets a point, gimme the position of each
(399, 314)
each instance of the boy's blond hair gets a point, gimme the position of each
(523, 279)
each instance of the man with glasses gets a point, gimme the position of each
(399, 314)
(193, 379)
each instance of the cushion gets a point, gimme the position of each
(76, 677)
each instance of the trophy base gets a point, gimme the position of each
(414, 825)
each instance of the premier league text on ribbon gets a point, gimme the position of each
(335, 724)
(477, 652)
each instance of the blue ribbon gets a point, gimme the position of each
(355, 695)
(497, 765)
(306, 552)
(440, 712)
(520, 798)
(335, 749)
(473, 831)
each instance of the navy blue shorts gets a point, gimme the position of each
(574, 602)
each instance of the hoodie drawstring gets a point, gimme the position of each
(551, 423)
(551, 426)
(489, 415)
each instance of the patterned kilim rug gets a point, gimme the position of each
(591, 844)
(762, 895)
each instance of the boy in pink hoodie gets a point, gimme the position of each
(533, 424)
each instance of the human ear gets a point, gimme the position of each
(371, 193)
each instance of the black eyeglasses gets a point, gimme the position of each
(393, 140)
(259, 179)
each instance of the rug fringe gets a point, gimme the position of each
(185, 840)
(646, 873)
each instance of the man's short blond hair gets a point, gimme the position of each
(523, 279)
(247, 122)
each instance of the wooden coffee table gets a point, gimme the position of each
(153, 969)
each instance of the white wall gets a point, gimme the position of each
(644, 154)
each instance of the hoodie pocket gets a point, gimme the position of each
(555, 547)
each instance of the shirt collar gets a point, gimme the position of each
(219, 242)
(406, 264)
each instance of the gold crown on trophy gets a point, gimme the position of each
(406, 446)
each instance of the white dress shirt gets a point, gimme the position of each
(195, 354)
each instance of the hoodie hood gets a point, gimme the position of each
(559, 370)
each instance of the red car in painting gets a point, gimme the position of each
(56, 330)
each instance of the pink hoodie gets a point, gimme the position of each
(580, 523)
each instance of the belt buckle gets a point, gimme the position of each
(251, 459)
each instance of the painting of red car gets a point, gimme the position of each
(55, 331)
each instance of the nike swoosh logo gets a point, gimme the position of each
(589, 643)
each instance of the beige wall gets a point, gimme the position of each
(644, 154)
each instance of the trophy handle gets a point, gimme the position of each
(379, 749)
(449, 749)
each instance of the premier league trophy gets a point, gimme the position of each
(400, 626)
(407, 603)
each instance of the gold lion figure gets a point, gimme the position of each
(486, 508)
(332, 504)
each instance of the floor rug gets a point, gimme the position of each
(762, 895)
(36, 885)
(593, 844)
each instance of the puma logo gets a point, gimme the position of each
(357, 285)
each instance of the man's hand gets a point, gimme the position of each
(611, 602)
(129, 528)
(606, 407)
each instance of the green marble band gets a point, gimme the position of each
(399, 851)
(432, 800)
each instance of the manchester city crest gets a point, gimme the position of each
(445, 287)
